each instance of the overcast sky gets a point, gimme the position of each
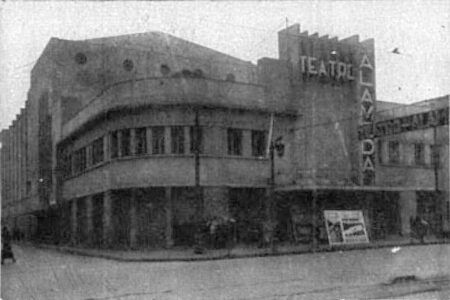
(247, 30)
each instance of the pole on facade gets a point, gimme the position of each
(314, 220)
(196, 141)
(435, 160)
(272, 194)
(198, 189)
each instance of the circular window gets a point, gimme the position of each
(230, 77)
(128, 65)
(165, 70)
(198, 73)
(80, 58)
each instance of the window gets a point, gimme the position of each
(141, 141)
(165, 70)
(80, 160)
(177, 138)
(196, 139)
(97, 151)
(234, 138)
(448, 210)
(230, 77)
(158, 140)
(128, 65)
(380, 151)
(198, 73)
(80, 58)
(28, 187)
(66, 164)
(125, 144)
(258, 142)
(419, 154)
(394, 152)
(435, 156)
(114, 144)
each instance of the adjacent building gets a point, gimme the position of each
(133, 140)
(412, 153)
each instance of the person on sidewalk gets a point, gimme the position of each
(422, 229)
(267, 233)
(419, 228)
(6, 245)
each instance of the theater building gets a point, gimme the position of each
(133, 140)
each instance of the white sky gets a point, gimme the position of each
(248, 30)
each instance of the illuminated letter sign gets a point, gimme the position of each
(332, 69)
(366, 120)
(365, 72)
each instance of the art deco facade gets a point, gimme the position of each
(132, 140)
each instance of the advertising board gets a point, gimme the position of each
(345, 227)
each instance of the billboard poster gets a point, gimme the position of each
(345, 227)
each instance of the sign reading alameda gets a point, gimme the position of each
(367, 104)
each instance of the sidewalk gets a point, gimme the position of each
(239, 251)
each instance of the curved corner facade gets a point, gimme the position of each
(133, 140)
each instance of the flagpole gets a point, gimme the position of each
(270, 151)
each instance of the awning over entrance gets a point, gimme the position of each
(351, 188)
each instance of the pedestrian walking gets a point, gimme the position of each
(419, 228)
(6, 245)
(422, 229)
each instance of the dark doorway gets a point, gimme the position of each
(97, 219)
(246, 206)
(81, 220)
(121, 217)
(150, 208)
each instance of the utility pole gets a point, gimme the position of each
(198, 236)
(196, 143)
(314, 219)
(269, 223)
(435, 160)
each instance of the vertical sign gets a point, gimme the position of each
(366, 82)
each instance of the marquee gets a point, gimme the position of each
(413, 122)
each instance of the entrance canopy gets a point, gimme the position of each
(350, 188)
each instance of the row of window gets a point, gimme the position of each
(394, 155)
(120, 141)
(152, 140)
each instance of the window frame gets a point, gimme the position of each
(193, 139)
(177, 139)
(140, 141)
(259, 142)
(80, 160)
(125, 143)
(380, 151)
(158, 141)
(235, 141)
(419, 160)
(114, 144)
(391, 158)
(99, 156)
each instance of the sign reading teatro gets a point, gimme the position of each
(332, 69)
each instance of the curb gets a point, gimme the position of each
(193, 258)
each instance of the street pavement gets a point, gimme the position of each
(412, 272)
